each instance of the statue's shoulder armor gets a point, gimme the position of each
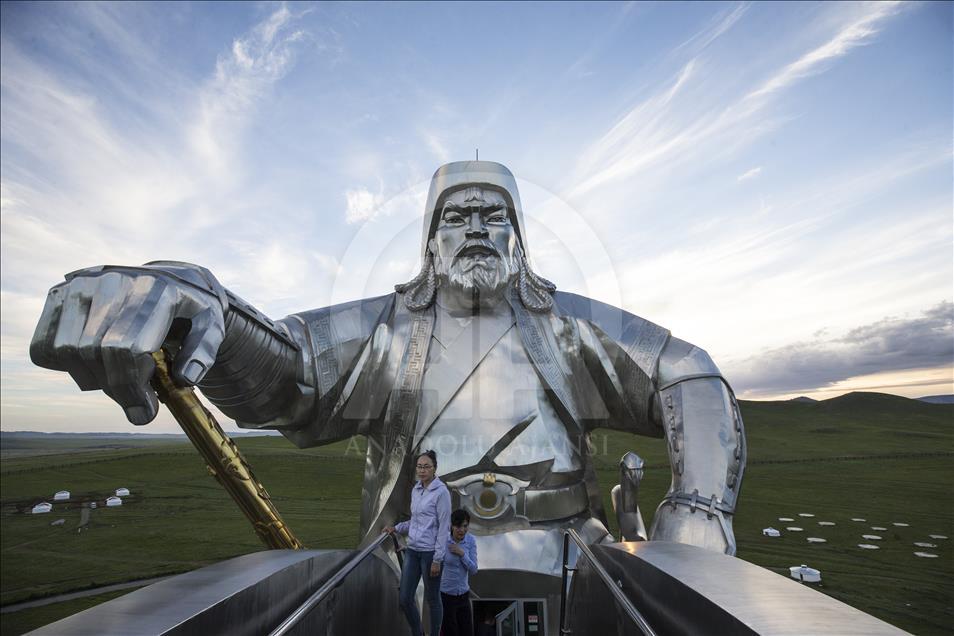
(353, 321)
(681, 360)
(640, 338)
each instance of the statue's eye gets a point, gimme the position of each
(453, 218)
(497, 218)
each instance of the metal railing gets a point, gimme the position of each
(614, 587)
(295, 617)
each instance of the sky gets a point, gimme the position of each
(770, 181)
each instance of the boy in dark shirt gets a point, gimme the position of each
(460, 561)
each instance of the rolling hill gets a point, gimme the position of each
(879, 457)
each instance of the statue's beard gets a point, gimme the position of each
(482, 276)
(478, 279)
(490, 275)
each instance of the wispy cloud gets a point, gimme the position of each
(637, 140)
(583, 66)
(788, 267)
(242, 77)
(749, 174)
(850, 36)
(436, 145)
(718, 26)
(361, 205)
(120, 178)
(667, 126)
(84, 185)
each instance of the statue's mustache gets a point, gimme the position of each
(477, 247)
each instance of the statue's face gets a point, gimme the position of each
(474, 243)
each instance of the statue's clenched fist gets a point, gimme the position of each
(103, 323)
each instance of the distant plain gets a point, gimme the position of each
(882, 458)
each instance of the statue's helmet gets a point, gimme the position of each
(458, 175)
(533, 290)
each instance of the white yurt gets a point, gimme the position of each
(40, 508)
(805, 574)
(770, 532)
(122, 492)
(61, 495)
(114, 501)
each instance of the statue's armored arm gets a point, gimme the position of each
(706, 443)
(102, 325)
(256, 376)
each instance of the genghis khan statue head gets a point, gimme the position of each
(474, 246)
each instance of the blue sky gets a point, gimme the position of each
(772, 182)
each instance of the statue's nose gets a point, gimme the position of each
(476, 228)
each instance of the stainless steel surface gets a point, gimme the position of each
(684, 590)
(249, 596)
(698, 410)
(503, 585)
(103, 323)
(507, 382)
(478, 357)
(534, 549)
(625, 497)
(454, 176)
(253, 377)
(565, 583)
(623, 604)
(302, 610)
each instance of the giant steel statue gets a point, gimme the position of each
(477, 357)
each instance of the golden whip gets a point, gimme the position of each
(223, 458)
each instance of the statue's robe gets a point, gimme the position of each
(510, 393)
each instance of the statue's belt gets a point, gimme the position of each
(501, 497)
(709, 505)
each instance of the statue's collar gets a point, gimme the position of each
(449, 326)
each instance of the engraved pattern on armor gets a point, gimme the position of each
(674, 428)
(645, 340)
(539, 351)
(737, 464)
(326, 361)
(403, 417)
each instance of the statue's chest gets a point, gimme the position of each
(482, 401)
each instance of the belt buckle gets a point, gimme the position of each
(489, 496)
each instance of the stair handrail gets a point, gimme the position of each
(624, 603)
(295, 617)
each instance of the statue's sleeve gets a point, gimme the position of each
(706, 443)
(620, 352)
(297, 375)
(654, 384)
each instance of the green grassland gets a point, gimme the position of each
(883, 458)
(28, 620)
